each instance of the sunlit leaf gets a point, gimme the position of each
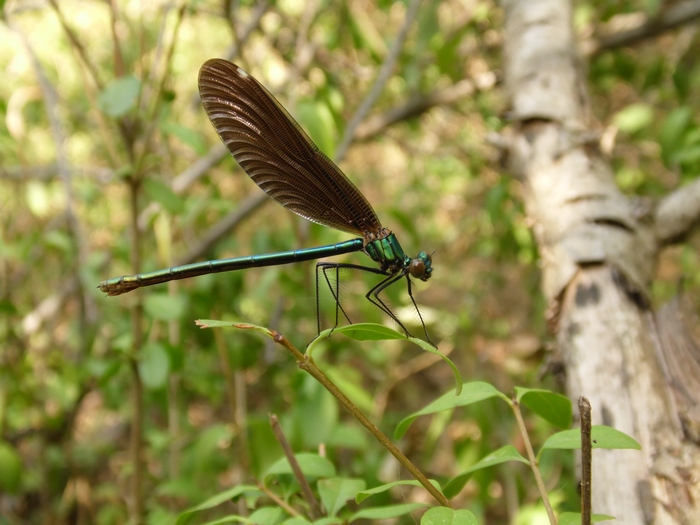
(387, 512)
(502, 455)
(675, 125)
(602, 437)
(634, 118)
(217, 500)
(120, 96)
(154, 366)
(447, 516)
(316, 118)
(471, 393)
(552, 407)
(266, 516)
(187, 135)
(163, 195)
(335, 492)
(165, 306)
(388, 486)
(312, 465)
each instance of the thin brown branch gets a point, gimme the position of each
(307, 364)
(277, 500)
(241, 409)
(52, 103)
(119, 64)
(584, 407)
(678, 214)
(198, 168)
(404, 370)
(152, 120)
(77, 45)
(667, 19)
(236, 49)
(379, 83)
(136, 513)
(312, 502)
(229, 7)
(47, 172)
(374, 125)
(224, 227)
(229, 383)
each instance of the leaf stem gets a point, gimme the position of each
(533, 462)
(306, 363)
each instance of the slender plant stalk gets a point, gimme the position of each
(241, 417)
(314, 507)
(533, 462)
(174, 382)
(379, 82)
(278, 501)
(136, 500)
(307, 363)
(584, 407)
(236, 397)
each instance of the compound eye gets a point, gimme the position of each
(417, 268)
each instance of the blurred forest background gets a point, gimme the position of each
(102, 135)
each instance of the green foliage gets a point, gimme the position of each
(10, 468)
(101, 130)
(335, 492)
(120, 96)
(447, 516)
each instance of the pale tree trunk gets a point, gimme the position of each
(599, 251)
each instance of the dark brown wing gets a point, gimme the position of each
(276, 153)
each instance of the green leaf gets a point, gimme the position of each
(59, 240)
(266, 516)
(10, 468)
(361, 496)
(674, 127)
(357, 393)
(378, 332)
(601, 435)
(366, 332)
(163, 195)
(471, 393)
(217, 500)
(186, 135)
(212, 323)
(574, 518)
(550, 406)
(231, 518)
(502, 455)
(387, 512)
(687, 155)
(154, 366)
(120, 96)
(164, 306)
(447, 516)
(634, 118)
(316, 118)
(335, 492)
(312, 466)
(176, 355)
(314, 414)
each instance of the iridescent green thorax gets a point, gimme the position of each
(391, 257)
